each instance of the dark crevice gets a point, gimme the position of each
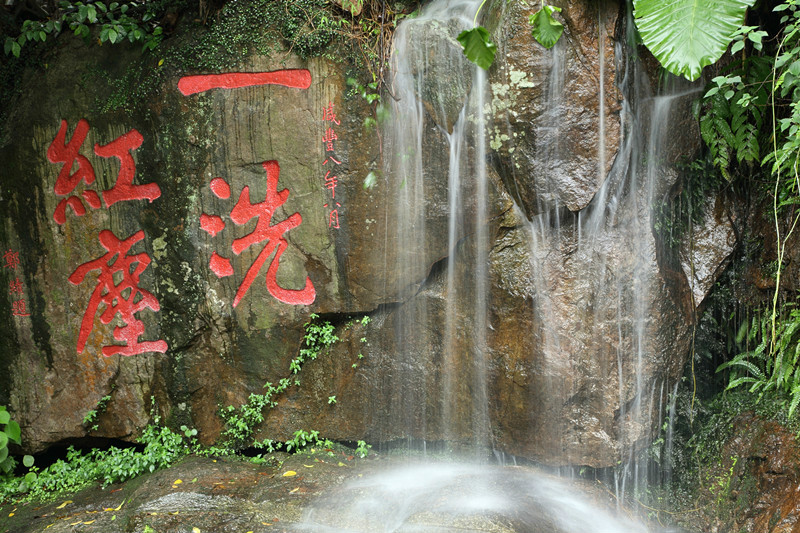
(58, 450)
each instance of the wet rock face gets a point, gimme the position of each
(714, 238)
(759, 463)
(528, 344)
(141, 248)
(551, 133)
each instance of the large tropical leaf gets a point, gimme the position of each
(687, 35)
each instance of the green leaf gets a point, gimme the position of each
(13, 432)
(5, 418)
(478, 46)
(3, 453)
(687, 35)
(3, 439)
(546, 29)
(27, 460)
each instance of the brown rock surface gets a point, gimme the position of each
(544, 373)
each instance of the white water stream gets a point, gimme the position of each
(438, 126)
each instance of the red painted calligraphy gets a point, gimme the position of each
(61, 151)
(123, 188)
(221, 266)
(330, 183)
(295, 78)
(328, 139)
(18, 308)
(243, 212)
(15, 287)
(220, 188)
(328, 114)
(211, 224)
(123, 297)
(333, 216)
(12, 259)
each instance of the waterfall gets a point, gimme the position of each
(595, 380)
(588, 299)
(436, 131)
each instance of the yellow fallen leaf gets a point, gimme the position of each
(89, 522)
(119, 506)
(177, 482)
(64, 504)
(294, 490)
(75, 523)
(195, 530)
(161, 62)
(342, 464)
(194, 480)
(289, 473)
(10, 515)
(51, 525)
(309, 466)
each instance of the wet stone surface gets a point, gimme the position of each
(319, 492)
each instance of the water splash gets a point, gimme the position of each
(463, 498)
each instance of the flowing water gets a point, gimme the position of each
(438, 128)
(432, 78)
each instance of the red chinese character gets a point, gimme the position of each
(296, 78)
(123, 188)
(64, 152)
(333, 216)
(330, 183)
(332, 159)
(329, 115)
(18, 308)
(12, 259)
(15, 287)
(328, 139)
(61, 151)
(243, 212)
(124, 297)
